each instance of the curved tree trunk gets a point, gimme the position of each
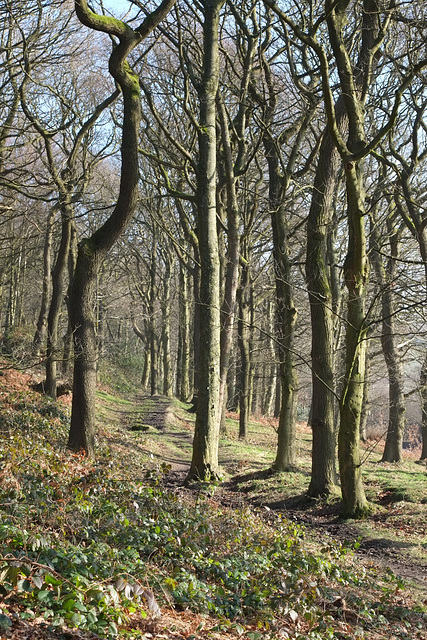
(93, 250)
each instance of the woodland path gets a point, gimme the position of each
(165, 436)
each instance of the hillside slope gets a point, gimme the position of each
(117, 548)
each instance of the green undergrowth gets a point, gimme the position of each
(80, 547)
(120, 370)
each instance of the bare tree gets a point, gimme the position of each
(92, 250)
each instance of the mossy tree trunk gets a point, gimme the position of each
(322, 412)
(354, 82)
(279, 177)
(204, 463)
(355, 271)
(92, 251)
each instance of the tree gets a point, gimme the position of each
(70, 182)
(406, 156)
(204, 462)
(355, 76)
(386, 276)
(93, 250)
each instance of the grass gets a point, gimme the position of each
(85, 545)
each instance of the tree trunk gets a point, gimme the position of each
(152, 308)
(386, 280)
(68, 337)
(271, 367)
(145, 378)
(322, 419)
(82, 294)
(285, 308)
(41, 329)
(93, 250)
(243, 328)
(286, 321)
(355, 77)
(58, 275)
(423, 394)
(354, 502)
(166, 311)
(183, 365)
(232, 391)
(232, 262)
(204, 463)
(196, 329)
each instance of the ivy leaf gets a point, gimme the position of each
(5, 622)
(44, 595)
(114, 595)
(24, 585)
(293, 615)
(120, 583)
(38, 582)
(69, 604)
(49, 579)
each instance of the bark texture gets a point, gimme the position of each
(204, 462)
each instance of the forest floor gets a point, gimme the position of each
(394, 537)
(354, 579)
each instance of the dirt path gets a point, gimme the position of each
(166, 436)
(384, 552)
(149, 428)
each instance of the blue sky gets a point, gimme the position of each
(117, 7)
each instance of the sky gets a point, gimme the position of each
(117, 7)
